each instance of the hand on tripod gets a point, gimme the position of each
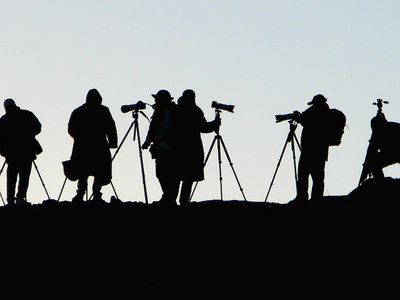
(217, 119)
(145, 145)
(217, 122)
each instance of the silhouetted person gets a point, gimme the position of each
(314, 151)
(93, 130)
(383, 149)
(18, 145)
(190, 123)
(162, 149)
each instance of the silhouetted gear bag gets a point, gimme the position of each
(336, 121)
(71, 170)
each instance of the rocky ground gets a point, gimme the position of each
(338, 246)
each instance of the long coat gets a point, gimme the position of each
(190, 123)
(94, 132)
(18, 128)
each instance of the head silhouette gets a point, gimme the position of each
(9, 105)
(188, 97)
(162, 98)
(93, 97)
(318, 100)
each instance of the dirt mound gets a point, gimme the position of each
(209, 247)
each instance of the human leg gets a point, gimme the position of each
(82, 187)
(96, 188)
(167, 176)
(302, 180)
(24, 174)
(318, 177)
(12, 174)
(186, 189)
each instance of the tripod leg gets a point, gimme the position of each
(62, 189)
(2, 168)
(233, 169)
(1, 171)
(219, 165)
(205, 162)
(294, 160)
(40, 177)
(297, 140)
(277, 167)
(123, 140)
(114, 190)
(294, 139)
(2, 199)
(141, 161)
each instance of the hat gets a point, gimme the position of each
(317, 99)
(162, 95)
(8, 103)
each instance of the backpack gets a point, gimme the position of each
(336, 121)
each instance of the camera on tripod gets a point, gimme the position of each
(292, 116)
(130, 107)
(220, 106)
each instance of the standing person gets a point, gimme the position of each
(93, 130)
(314, 152)
(19, 146)
(190, 123)
(162, 149)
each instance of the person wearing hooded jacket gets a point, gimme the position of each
(19, 146)
(190, 123)
(93, 130)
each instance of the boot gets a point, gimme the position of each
(97, 197)
(78, 198)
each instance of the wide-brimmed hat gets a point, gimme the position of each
(162, 95)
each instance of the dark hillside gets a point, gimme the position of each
(338, 244)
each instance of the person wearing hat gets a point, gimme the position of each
(93, 129)
(314, 149)
(190, 123)
(160, 138)
(19, 146)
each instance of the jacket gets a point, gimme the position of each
(93, 130)
(18, 129)
(313, 137)
(188, 126)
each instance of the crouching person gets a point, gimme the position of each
(93, 130)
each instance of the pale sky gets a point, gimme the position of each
(265, 57)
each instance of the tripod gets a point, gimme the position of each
(291, 138)
(135, 124)
(40, 178)
(219, 141)
(370, 156)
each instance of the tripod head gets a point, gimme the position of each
(135, 115)
(379, 103)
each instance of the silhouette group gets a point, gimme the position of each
(174, 140)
